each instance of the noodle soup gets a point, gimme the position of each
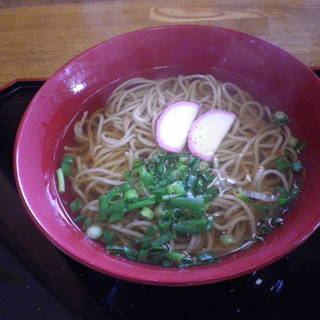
(175, 209)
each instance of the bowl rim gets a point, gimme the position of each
(162, 277)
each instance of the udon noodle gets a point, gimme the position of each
(110, 139)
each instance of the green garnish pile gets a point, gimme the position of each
(172, 191)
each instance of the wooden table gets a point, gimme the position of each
(38, 36)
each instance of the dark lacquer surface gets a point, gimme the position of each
(46, 284)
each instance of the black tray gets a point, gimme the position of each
(65, 289)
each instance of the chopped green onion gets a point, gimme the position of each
(160, 169)
(127, 175)
(163, 227)
(109, 237)
(114, 196)
(200, 183)
(94, 232)
(143, 255)
(192, 161)
(175, 256)
(68, 159)
(131, 194)
(76, 205)
(146, 177)
(189, 227)
(61, 182)
(280, 118)
(227, 239)
(211, 194)
(282, 164)
(145, 244)
(103, 207)
(155, 159)
(174, 174)
(79, 218)
(151, 167)
(66, 168)
(183, 159)
(265, 228)
(159, 210)
(186, 262)
(165, 180)
(301, 146)
(167, 197)
(151, 190)
(158, 250)
(176, 188)
(191, 181)
(163, 239)
(196, 204)
(87, 223)
(141, 204)
(181, 167)
(109, 203)
(144, 240)
(124, 187)
(115, 249)
(207, 257)
(147, 213)
(195, 164)
(293, 141)
(277, 222)
(282, 191)
(295, 191)
(297, 166)
(139, 186)
(166, 263)
(151, 231)
(282, 201)
(137, 162)
(117, 209)
(207, 176)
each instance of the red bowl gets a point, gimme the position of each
(267, 72)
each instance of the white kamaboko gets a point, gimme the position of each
(178, 124)
(208, 131)
(174, 124)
